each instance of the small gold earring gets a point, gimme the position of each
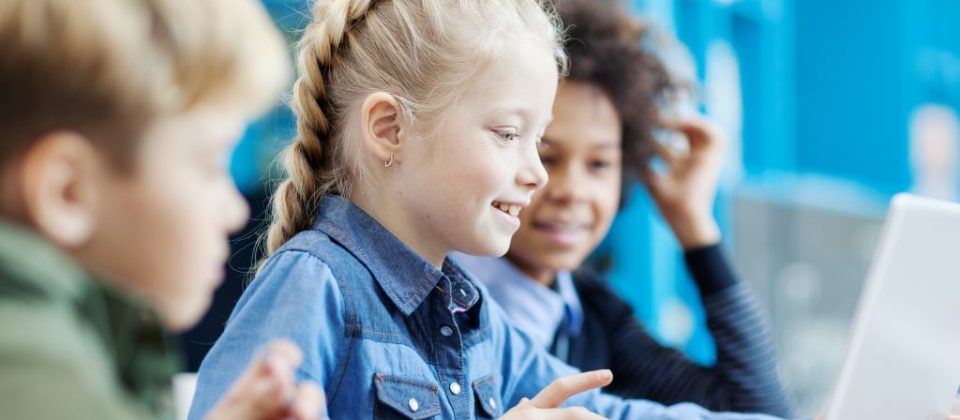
(389, 163)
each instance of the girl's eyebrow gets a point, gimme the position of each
(521, 110)
(512, 110)
(525, 114)
(605, 144)
(609, 144)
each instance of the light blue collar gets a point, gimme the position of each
(538, 310)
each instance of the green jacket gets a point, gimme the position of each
(71, 348)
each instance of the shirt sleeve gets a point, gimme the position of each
(528, 368)
(744, 378)
(710, 269)
(295, 297)
(746, 368)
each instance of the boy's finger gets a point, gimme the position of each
(563, 388)
(267, 386)
(309, 403)
(258, 398)
(286, 350)
(276, 358)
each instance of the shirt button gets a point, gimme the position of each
(446, 331)
(493, 403)
(455, 388)
(414, 405)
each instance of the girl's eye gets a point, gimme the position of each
(507, 136)
(599, 164)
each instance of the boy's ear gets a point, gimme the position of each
(57, 183)
(383, 125)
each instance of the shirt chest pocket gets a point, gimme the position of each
(405, 398)
(488, 399)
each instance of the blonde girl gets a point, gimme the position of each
(418, 126)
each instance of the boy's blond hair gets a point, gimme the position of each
(423, 52)
(107, 68)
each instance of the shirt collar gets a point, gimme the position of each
(573, 312)
(33, 262)
(405, 277)
(534, 308)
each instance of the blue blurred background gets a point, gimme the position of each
(831, 108)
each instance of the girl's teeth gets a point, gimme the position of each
(561, 227)
(510, 209)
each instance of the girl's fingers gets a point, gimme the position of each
(697, 129)
(563, 388)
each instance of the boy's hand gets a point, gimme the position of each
(545, 405)
(685, 194)
(267, 389)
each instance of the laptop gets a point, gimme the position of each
(903, 359)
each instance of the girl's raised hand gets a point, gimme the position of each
(685, 193)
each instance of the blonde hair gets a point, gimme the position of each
(108, 68)
(423, 52)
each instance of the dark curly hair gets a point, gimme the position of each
(612, 51)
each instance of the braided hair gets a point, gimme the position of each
(422, 52)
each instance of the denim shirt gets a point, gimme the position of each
(388, 336)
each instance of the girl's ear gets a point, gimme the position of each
(383, 125)
(57, 183)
